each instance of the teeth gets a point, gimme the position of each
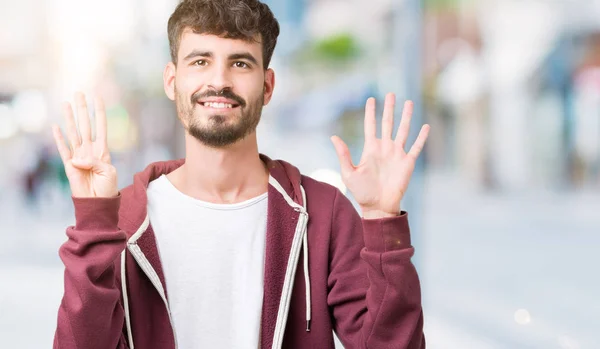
(218, 105)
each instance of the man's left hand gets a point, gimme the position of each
(380, 180)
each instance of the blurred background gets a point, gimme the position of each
(504, 205)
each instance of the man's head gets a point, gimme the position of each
(219, 75)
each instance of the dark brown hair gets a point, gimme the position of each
(232, 19)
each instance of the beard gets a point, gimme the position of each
(218, 130)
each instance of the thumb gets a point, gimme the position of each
(90, 164)
(343, 154)
(82, 163)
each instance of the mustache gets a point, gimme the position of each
(227, 93)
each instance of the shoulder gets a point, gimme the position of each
(333, 219)
(126, 194)
(132, 210)
(324, 197)
(317, 190)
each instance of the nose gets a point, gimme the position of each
(220, 78)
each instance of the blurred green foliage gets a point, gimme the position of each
(442, 4)
(339, 47)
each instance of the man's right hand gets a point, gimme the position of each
(87, 163)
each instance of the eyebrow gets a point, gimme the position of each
(243, 55)
(197, 53)
(233, 56)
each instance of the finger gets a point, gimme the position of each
(387, 123)
(404, 127)
(343, 154)
(83, 117)
(63, 150)
(415, 150)
(370, 120)
(72, 134)
(100, 123)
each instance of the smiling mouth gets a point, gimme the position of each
(215, 105)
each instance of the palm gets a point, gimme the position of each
(87, 162)
(381, 178)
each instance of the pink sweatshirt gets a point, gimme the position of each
(362, 284)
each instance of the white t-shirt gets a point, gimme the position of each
(213, 261)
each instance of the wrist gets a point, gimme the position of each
(378, 214)
(96, 212)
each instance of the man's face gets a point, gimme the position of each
(219, 87)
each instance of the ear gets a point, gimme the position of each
(269, 85)
(169, 80)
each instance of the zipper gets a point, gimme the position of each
(286, 292)
(141, 260)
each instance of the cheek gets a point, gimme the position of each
(188, 82)
(252, 87)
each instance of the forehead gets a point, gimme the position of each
(216, 44)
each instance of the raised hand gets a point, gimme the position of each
(87, 163)
(380, 180)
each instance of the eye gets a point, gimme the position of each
(200, 63)
(241, 65)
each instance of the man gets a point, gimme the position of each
(228, 248)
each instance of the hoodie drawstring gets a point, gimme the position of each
(306, 272)
(299, 243)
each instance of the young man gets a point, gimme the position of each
(228, 248)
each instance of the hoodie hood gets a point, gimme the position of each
(134, 207)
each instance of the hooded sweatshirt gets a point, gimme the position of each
(326, 270)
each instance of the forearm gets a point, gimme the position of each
(394, 297)
(375, 291)
(90, 314)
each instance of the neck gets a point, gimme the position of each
(222, 175)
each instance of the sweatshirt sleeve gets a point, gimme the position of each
(374, 289)
(90, 314)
